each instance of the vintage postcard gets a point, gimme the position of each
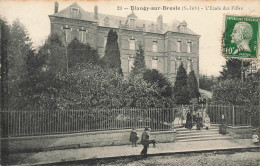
(113, 82)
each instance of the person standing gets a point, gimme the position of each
(223, 127)
(145, 142)
(188, 124)
(255, 138)
(133, 137)
(198, 121)
(207, 122)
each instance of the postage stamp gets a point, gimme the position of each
(241, 37)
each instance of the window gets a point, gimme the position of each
(130, 63)
(189, 66)
(155, 46)
(132, 44)
(178, 63)
(105, 41)
(74, 12)
(182, 28)
(82, 35)
(188, 47)
(154, 63)
(173, 66)
(66, 30)
(132, 23)
(178, 46)
(106, 21)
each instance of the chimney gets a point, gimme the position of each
(96, 12)
(160, 22)
(56, 7)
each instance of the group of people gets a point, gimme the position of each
(198, 120)
(145, 141)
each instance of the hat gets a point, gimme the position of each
(146, 129)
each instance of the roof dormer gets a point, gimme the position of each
(106, 21)
(182, 27)
(131, 20)
(74, 12)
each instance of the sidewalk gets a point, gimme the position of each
(127, 150)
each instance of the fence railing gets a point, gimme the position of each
(28, 123)
(234, 115)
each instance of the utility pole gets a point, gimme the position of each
(242, 72)
(4, 94)
(66, 45)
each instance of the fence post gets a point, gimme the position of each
(233, 116)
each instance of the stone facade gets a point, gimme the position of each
(165, 45)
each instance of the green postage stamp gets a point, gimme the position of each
(240, 38)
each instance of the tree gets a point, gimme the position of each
(139, 63)
(154, 77)
(19, 46)
(91, 86)
(193, 85)
(146, 95)
(38, 86)
(206, 83)
(111, 58)
(180, 89)
(232, 69)
(55, 50)
(4, 41)
(232, 92)
(80, 53)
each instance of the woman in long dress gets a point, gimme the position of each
(188, 124)
(198, 121)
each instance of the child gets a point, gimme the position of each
(255, 138)
(207, 122)
(133, 137)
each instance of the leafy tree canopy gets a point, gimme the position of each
(232, 69)
(154, 77)
(80, 53)
(232, 92)
(55, 50)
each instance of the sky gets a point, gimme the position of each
(206, 18)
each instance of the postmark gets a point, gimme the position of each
(241, 37)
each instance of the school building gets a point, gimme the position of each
(165, 45)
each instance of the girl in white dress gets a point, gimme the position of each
(207, 122)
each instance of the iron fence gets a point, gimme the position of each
(234, 115)
(28, 123)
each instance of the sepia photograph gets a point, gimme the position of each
(136, 83)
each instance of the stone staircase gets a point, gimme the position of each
(185, 135)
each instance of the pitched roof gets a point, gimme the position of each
(121, 22)
(132, 15)
(84, 15)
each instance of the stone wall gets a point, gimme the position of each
(82, 140)
(240, 132)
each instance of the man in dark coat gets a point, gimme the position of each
(145, 142)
